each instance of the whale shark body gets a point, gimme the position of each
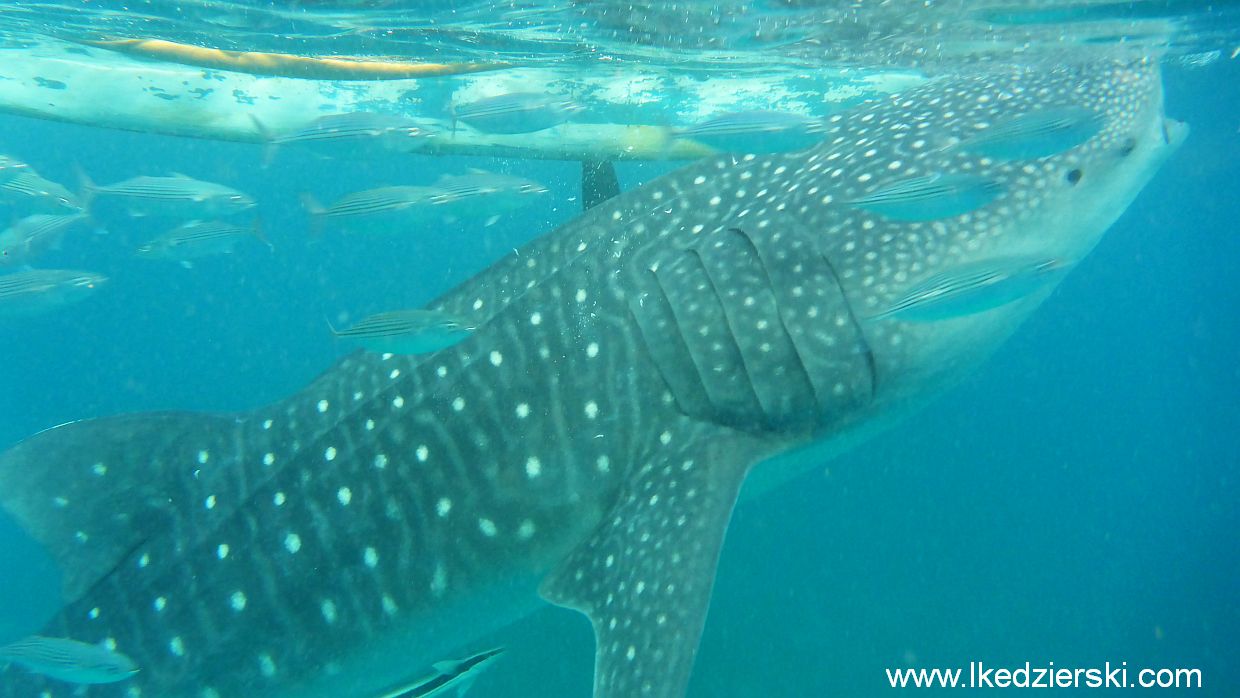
(586, 443)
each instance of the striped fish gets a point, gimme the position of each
(453, 675)
(11, 167)
(197, 239)
(375, 210)
(408, 331)
(69, 660)
(974, 288)
(351, 135)
(931, 197)
(29, 190)
(34, 235)
(177, 195)
(756, 132)
(482, 183)
(482, 194)
(40, 290)
(1036, 134)
(517, 112)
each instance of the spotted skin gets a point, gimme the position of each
(588, 440)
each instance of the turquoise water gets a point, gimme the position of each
(1073, 501)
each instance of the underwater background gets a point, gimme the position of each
(1074, 501)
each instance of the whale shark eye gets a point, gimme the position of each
(1074, 176)
(1130, 145)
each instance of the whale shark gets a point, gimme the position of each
(586, 443)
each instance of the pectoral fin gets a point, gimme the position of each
(644, 576)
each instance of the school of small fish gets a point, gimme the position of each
(200, 217)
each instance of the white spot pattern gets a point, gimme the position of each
(488, 528)
(328, 609)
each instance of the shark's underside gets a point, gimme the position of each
(588, 440)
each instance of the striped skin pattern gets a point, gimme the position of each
(587, 441)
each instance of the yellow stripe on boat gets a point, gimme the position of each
(289, 65)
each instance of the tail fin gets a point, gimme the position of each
(88, 188)
(335, 332)
(668, 139)
(269, 141)
(256, 226)
(93, 492)
(316, 211)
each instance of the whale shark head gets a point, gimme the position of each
(948, 213)
(878, 265)
(1071, 148)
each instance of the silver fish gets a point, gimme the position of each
(197, 239)
(586, 444)
(352, 135)
(41, 290)
(517, 112)
(176, 195)
(1036, 134)
(482, 194)
(756, 132)
(930, 197)
(385, 209)
(69, 660)
(34, 235)
(30, 191)
(408, 331)
(484, 183)
(455, 676)
(974, 288)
